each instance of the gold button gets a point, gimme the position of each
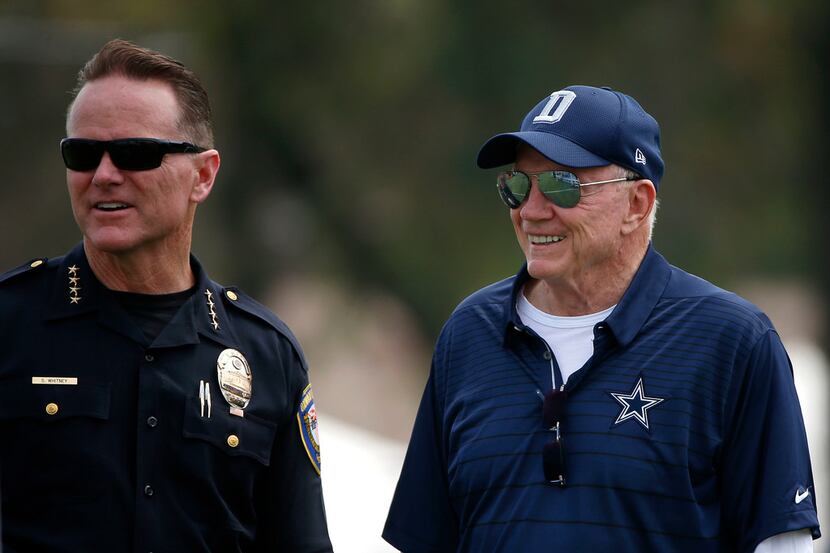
(231, 295)
(37, 263)
(233, 441)
(51, 408)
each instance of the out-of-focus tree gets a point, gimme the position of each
(349, 130)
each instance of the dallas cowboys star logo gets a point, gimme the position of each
(636, 404)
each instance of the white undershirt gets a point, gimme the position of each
(571, 340)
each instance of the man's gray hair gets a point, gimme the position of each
(652, 217)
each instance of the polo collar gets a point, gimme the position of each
(639, 300)
(631, 312)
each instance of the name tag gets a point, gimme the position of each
(63, 380)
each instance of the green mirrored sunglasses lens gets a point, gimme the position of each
(518, 185)
(560, 187)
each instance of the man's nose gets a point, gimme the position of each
(107, 172)
(537, 205)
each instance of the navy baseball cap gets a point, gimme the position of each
(584, 126)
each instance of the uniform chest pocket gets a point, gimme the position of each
(52, 402)
(247, 436)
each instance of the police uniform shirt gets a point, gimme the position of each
(107, 441)
(681, 433)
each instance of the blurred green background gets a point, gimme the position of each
(349, 131)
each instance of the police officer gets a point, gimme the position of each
(143, 406)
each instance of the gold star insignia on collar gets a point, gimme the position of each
(211, 310)
(74, 280)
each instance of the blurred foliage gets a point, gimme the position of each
(349, 129)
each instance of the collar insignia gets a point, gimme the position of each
(212, 311)
(635, 405)
(74, 285)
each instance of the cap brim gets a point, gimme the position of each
(501, 150)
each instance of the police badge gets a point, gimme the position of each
(234, 375)
(307, 421)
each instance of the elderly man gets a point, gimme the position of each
(143, 406)
(601, 399)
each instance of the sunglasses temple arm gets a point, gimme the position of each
(604, 181)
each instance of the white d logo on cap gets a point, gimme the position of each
(550, 115)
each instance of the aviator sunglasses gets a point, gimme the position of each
(561, 187)
(128, 154)
(553, 454)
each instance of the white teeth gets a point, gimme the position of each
(536, 239)
(110, 206)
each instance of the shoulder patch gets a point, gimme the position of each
(307, 421)
(31, 265)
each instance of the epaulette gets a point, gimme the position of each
(236, 298)
(29, 266)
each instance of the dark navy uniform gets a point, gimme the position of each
(109, 442)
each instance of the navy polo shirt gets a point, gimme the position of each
(105, 444)
(682, 433)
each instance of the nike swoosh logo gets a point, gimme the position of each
(799, 497)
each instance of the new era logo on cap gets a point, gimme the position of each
(584, 126)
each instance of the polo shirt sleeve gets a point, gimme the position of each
(765, 463)
(291, 497)
(421, 518)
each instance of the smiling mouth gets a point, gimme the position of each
(537, 239)
(111, 206)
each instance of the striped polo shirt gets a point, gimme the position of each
(683, 431)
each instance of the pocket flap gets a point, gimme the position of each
(247, 436)
(51, 402)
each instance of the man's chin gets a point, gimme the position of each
(543, 269)
(109, 244)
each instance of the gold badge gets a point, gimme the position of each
(235, 377)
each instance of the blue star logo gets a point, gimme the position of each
(636, 405)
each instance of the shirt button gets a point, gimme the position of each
(149, 358)
(546, 355)
(51, 408)
(152, 421)
(233, 440)
(148, 490)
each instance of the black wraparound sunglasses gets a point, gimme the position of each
(561, 187)
(128, 154)
(553, 454)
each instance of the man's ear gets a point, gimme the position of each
(641, 198)
(207, 166)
